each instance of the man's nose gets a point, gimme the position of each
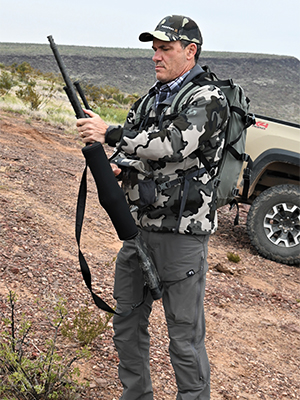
(156, 56)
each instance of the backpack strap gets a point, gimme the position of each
(142, 111)
(246, 177)
(185, 179)
(188, 89)
(186, 186)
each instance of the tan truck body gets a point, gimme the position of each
(273, 146)
(273, 221)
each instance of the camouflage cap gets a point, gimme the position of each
(172, 28)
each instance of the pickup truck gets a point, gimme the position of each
(273, 221)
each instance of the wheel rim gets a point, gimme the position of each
(282, 225)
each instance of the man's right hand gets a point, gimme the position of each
(92, 129)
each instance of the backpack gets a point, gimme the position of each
(235, 137)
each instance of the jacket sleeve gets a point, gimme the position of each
(114, 134)
(205, 114)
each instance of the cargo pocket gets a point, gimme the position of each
(181, 294)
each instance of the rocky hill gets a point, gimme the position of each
(271, 82)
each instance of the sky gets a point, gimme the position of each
(254, 26)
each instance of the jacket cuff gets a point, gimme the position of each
(113, 135)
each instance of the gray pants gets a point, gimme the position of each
(182, 266)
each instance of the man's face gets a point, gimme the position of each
(171, 60)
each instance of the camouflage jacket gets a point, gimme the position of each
(161, 174)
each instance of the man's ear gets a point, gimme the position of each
(191, 50)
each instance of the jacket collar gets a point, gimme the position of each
(196, 70)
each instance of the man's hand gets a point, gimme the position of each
(116, 170)
(92, 129)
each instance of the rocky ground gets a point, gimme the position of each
(252, 307)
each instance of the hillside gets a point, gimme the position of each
(252, 308)
(271, 82)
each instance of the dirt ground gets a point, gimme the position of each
(252, 307)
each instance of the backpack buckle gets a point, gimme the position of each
(212, 172)
(250, 120)
(216, 183)
(247, 173)
(235, 192)
(245, 157)
(164, 186)
(169, 184)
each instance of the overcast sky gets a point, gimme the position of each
(255, 26)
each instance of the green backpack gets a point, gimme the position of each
(235, 136)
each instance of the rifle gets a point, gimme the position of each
(111, 198)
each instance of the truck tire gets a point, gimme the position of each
(273, 224)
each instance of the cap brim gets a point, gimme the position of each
(148, 36)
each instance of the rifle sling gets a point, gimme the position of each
(86, 274)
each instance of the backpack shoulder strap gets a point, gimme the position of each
(187, 90)
(143, 110)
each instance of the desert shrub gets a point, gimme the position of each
(29, 373)
(35, 97)
(233, 257)
(6, 83)
(107, 96)
(23, 71)
(83, 327)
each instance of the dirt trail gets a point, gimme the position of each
(252, 308)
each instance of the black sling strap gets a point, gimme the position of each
(86, 274)
(112, 199)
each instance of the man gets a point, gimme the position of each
(173, 201)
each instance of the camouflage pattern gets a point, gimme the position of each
(167, 154)
(172, 28)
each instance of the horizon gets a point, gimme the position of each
(46, 44)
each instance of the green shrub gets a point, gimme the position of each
(6, 83)
(35, 98)
(30, 373)
(24, 70)
(233, 257)
(107, 96)
(83, 327)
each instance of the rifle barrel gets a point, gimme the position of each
(71, 92)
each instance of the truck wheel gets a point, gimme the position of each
(273, 224)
